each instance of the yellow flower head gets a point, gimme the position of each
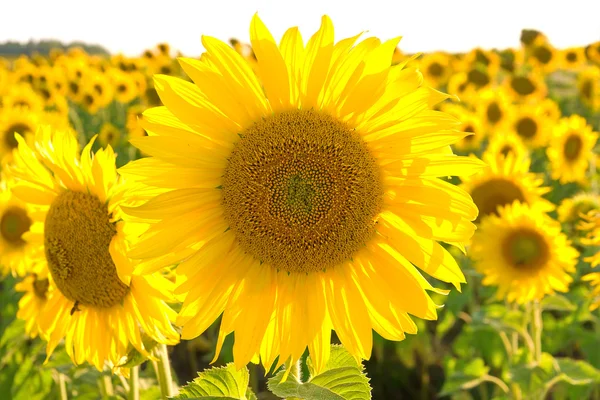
(502, 144)
(95, 299)
(35, 295)
(297, 201)
(571, 149)
(505, 180)
(523, 252)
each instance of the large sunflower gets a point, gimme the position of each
(505, 180)
(95, 301)
(298, 200)
(523, 252)
(571, 149)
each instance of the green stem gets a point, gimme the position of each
(134, 383)
(163, 372)
(536, 330)
(62, 385)
(107, 386)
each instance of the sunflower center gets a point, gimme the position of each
(435, 69)
(77, 236)
(543, 54)
(478, 78)
(301, 191)
(494, 113)
(586, 90)
(13, 224)
(493, 193)
(572, 147)
(40, 287)
(522, 85)
(9, 137)
(506, 150)
(527, 127)
(571, 57)
(525, 249)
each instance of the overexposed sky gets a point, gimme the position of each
(130, 26)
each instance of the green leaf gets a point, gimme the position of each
(342, 379)
(466, 375)
(578, 372)
(219, 383)
(536, 380)
(557, 302)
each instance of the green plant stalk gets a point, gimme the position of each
(62, 386)
(134, 383)
(163, 372)
(536, 330)
(107, 386)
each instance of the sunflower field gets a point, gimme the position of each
(301, 219)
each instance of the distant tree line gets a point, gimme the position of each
(43, 47)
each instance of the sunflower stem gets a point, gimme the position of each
(134, 383)
(62, 386)
(107, 386)
(163, 372)
(536, 330)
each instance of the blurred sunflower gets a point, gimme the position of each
(471, 125)
(504, 181)
(35, 295)
(523, 252)
(23, 96)
(572, 58)
(528, 122)
(109, 135)
(590, 227)
(571, 210)
(543, 57)
(435, 68)
(493, 108)
(333, 157)
(525, 87)
(550, 109)
(16, 249)
(15, 120)
(592, 52)
(95, 300)
(124, 86)
(488, 60)
(134, 117)
(588, 83)
(503, 144)
(570, 149)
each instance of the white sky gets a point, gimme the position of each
(130, 26)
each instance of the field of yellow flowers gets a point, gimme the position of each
(301, 219)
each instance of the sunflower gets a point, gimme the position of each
(590, 226)
(523, 252)
(505, 180)
(572, 59)
(23, 96)
(503, 144)
(15, 120)
(109, 135)
(35, 295)
(548, 108)
(297, 200)
(572, 211)
(133, 125)
(493, 108)
(529, 123)
(488, 60)
(592, 52)
(459, 85)
(95, 301)
(543, 56)
(588, 83)
(124, 86)
(571, 148)
(525, 87)
(16, 250)
(471, 125)
(436, 68)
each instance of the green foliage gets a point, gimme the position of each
(342, 379)
(219, 383)
(43, 47)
